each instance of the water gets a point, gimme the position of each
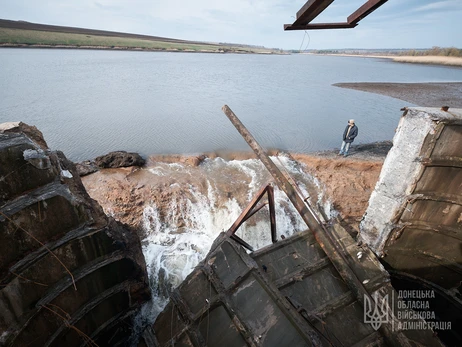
(192, 205)
(88, 103)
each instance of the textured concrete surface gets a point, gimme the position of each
(400, 172)
(68, 273)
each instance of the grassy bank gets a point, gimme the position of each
(32, 37)
(437, 55)
(436, 60)
(439, 60)
(22, 37)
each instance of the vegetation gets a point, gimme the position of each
(13, 36)
(436, 52)
(440, 56)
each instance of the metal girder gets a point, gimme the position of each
(365, 10)
(313, 8)
(433, 258)
(344, 25)
(326, 241)
(443, 161)
(250, 210)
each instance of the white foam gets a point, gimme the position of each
(180, 237)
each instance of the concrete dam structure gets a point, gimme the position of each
(69, 275)
(414, 218)
(314, 290)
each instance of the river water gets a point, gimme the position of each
(88, 103)
(191, 205)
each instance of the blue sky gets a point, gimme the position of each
(397, 24)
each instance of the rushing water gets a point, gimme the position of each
(88, 103)
(203, 201)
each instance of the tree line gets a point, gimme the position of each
(435, 51)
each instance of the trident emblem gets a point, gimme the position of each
(376, 313)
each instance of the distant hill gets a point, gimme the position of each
(26, 34)
(4, 23)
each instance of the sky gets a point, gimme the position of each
(396, 24)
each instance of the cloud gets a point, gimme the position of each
(258, 22)
(440, 6)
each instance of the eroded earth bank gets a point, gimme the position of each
(341, 185)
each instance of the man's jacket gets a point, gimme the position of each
(350, 136)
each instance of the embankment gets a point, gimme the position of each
(345, 182)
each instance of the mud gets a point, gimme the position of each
(124, 192)
(420, 94)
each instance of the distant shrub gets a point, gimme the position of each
(435, 51)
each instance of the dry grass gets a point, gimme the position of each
(10, 36)
(426, 59)
(450, 61)
(33, 37)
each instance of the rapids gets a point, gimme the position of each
(179, 235)
(181, 208)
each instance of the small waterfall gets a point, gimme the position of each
(184, 218)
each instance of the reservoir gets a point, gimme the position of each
(89, 102)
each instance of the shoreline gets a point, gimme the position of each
(122, 191)
(426, 60)
(375, 151)
(434, 94)
(130, 49)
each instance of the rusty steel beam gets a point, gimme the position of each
(311, 10)
(250, 211)
(443, 161)
(310, 219)
(255, 210)
(272, 213)
(241, 242)
(328, 244)
(366, 9)
(455, 199)
(343, 25)
(434, 258)
(430, 227)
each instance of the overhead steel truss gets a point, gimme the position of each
(314, 8)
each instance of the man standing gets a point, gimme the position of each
(351, 131)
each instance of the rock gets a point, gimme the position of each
(193, 160)
(86, 167)
(190, 160)
(119, 159)
(31, 131)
